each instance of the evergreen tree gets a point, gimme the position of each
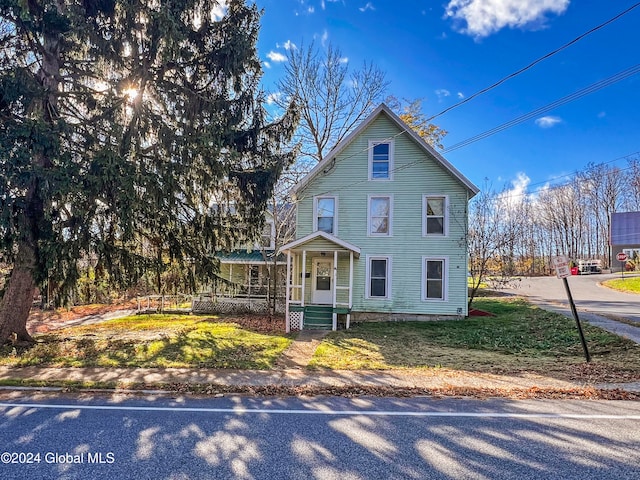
(122, 120)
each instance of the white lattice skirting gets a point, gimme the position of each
(295, 320)
(229, 306)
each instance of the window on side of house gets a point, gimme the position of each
(268, 236)
(380, 160)
(435, 221)
(378, 276)
(380, 216)
(325, 214)
(434, 274)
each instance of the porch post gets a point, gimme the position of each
(303, 274)
(350, 287)
(335, 289)
(287, 293)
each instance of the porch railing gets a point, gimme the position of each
(248, 301)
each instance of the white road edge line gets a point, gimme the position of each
(374, 413)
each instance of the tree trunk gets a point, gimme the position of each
(18, 297)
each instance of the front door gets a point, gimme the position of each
(322, 282)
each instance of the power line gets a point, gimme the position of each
(569, 98)
(574, 96)
(559, 186)
(577, 172)
(532, 64)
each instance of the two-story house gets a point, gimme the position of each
(381, 231)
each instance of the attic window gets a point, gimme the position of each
(380, 160)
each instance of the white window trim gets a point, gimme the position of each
(445, 279)
(445, 227)
(369, 232)
(272, 242)
(372, 143)
(335, 213)
(368, 277)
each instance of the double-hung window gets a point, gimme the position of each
(268, 236)
(325, 214)
(380, 160)
(378, 276)
(434, 278)
(434, 221)
(380, 212)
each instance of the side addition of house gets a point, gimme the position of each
(381, 232)
(625, 238)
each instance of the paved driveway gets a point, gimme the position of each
(592, 300)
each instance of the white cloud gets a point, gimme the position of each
(548, 121)
(219, 10)
(276, 57)
(273, 97)
(311, 9)
(324, 38)
(368, 6)
(515, 195)
(460, 95)
(344, 60)
(289, 45)
(442, 93)
(484, 17)
(266, 64)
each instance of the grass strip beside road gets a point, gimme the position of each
(349, 391)
(627, 284)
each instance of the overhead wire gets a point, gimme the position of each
(535, 62)
(629, 72)
(569, 98)
(574, 96)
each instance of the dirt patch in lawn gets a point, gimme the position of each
(42, 321)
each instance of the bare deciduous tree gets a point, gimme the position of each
(493, 230)
(333, 99)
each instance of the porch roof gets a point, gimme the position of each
(250, 257)
(333, 243)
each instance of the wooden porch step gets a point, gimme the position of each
(318, 317)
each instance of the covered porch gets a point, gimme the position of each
(319, 284)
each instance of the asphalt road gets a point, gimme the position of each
(587, 294)
(67, 437)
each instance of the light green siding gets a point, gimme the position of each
(415, 174)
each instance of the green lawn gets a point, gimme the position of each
(627, 284)
(153, 341)
(521, 338)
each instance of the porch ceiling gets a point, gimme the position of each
(323, 241)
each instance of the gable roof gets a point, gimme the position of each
(625, 228)
(326, 236)
(383, 109)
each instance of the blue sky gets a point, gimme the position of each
(445, 51)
